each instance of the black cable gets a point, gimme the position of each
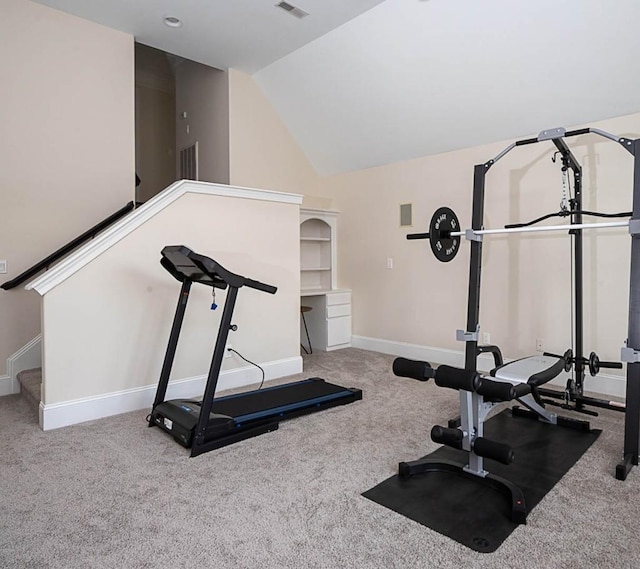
(599, 214)
(561, 213)
(249, 362)
(565, 213)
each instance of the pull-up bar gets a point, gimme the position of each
(561, 132)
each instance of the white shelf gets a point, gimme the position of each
(313, 291)
(316, 259)
(329, 321)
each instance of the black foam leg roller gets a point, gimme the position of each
(422, 371)
(457, 378)
(449, 437)
(497, 390)
(495, 451)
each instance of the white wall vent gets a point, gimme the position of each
(189, 162)
(293, 10)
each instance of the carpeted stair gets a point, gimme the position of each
(30, 381)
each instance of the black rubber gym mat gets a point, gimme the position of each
(470, 512)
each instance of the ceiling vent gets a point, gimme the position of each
(293, 10)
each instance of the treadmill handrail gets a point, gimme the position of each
(216, 275)
(181, 276)
(260, 286)
(213, 267)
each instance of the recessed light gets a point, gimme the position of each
(172, 22)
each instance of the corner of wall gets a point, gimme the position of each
(317, 202)
(262, 151)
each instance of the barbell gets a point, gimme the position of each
(444, 232)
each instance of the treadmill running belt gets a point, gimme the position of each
(279, 399)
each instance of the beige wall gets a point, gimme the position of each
(64, 166)
(526, 279)
(263, 154)
(67, 145)
(106, 327)
(202, 92)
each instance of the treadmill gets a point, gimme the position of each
(214, 422)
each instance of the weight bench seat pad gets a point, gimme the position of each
(534, 370)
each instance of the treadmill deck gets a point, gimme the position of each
(240, 416)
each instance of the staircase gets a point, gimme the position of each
(30, 381)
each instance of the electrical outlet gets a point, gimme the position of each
(3, 267)
(539, 345)
(389, 263)
(227, 353)
(486, 338)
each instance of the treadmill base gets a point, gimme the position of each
(238, 417)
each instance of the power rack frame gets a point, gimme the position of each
(630, 353)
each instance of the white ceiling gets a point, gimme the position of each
(361, 83)
(243, 34)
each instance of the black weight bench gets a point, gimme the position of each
(479, 394)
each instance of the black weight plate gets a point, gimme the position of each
(444, 246)
(568, 359)
(594, 364)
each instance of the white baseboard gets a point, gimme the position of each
(338, 347)
(6, 385)
(609, 385)
(27, 357)
(68, 413)
(418, 352)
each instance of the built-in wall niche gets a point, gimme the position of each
(329, 320)
(315, 255)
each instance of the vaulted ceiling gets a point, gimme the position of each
(361, 83)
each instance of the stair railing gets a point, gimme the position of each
(57, 255)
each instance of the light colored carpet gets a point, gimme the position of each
(114, 493)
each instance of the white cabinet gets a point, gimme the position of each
(329, 321)
(338, 319)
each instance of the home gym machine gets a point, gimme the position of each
(521, 380)
(216, 422)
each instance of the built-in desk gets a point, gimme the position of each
(329, 321)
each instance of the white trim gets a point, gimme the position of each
(76, 411)
(85, 254)
(313, 212)
(609, 385)
(6, 386)
(417, 351)
(27, 357)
